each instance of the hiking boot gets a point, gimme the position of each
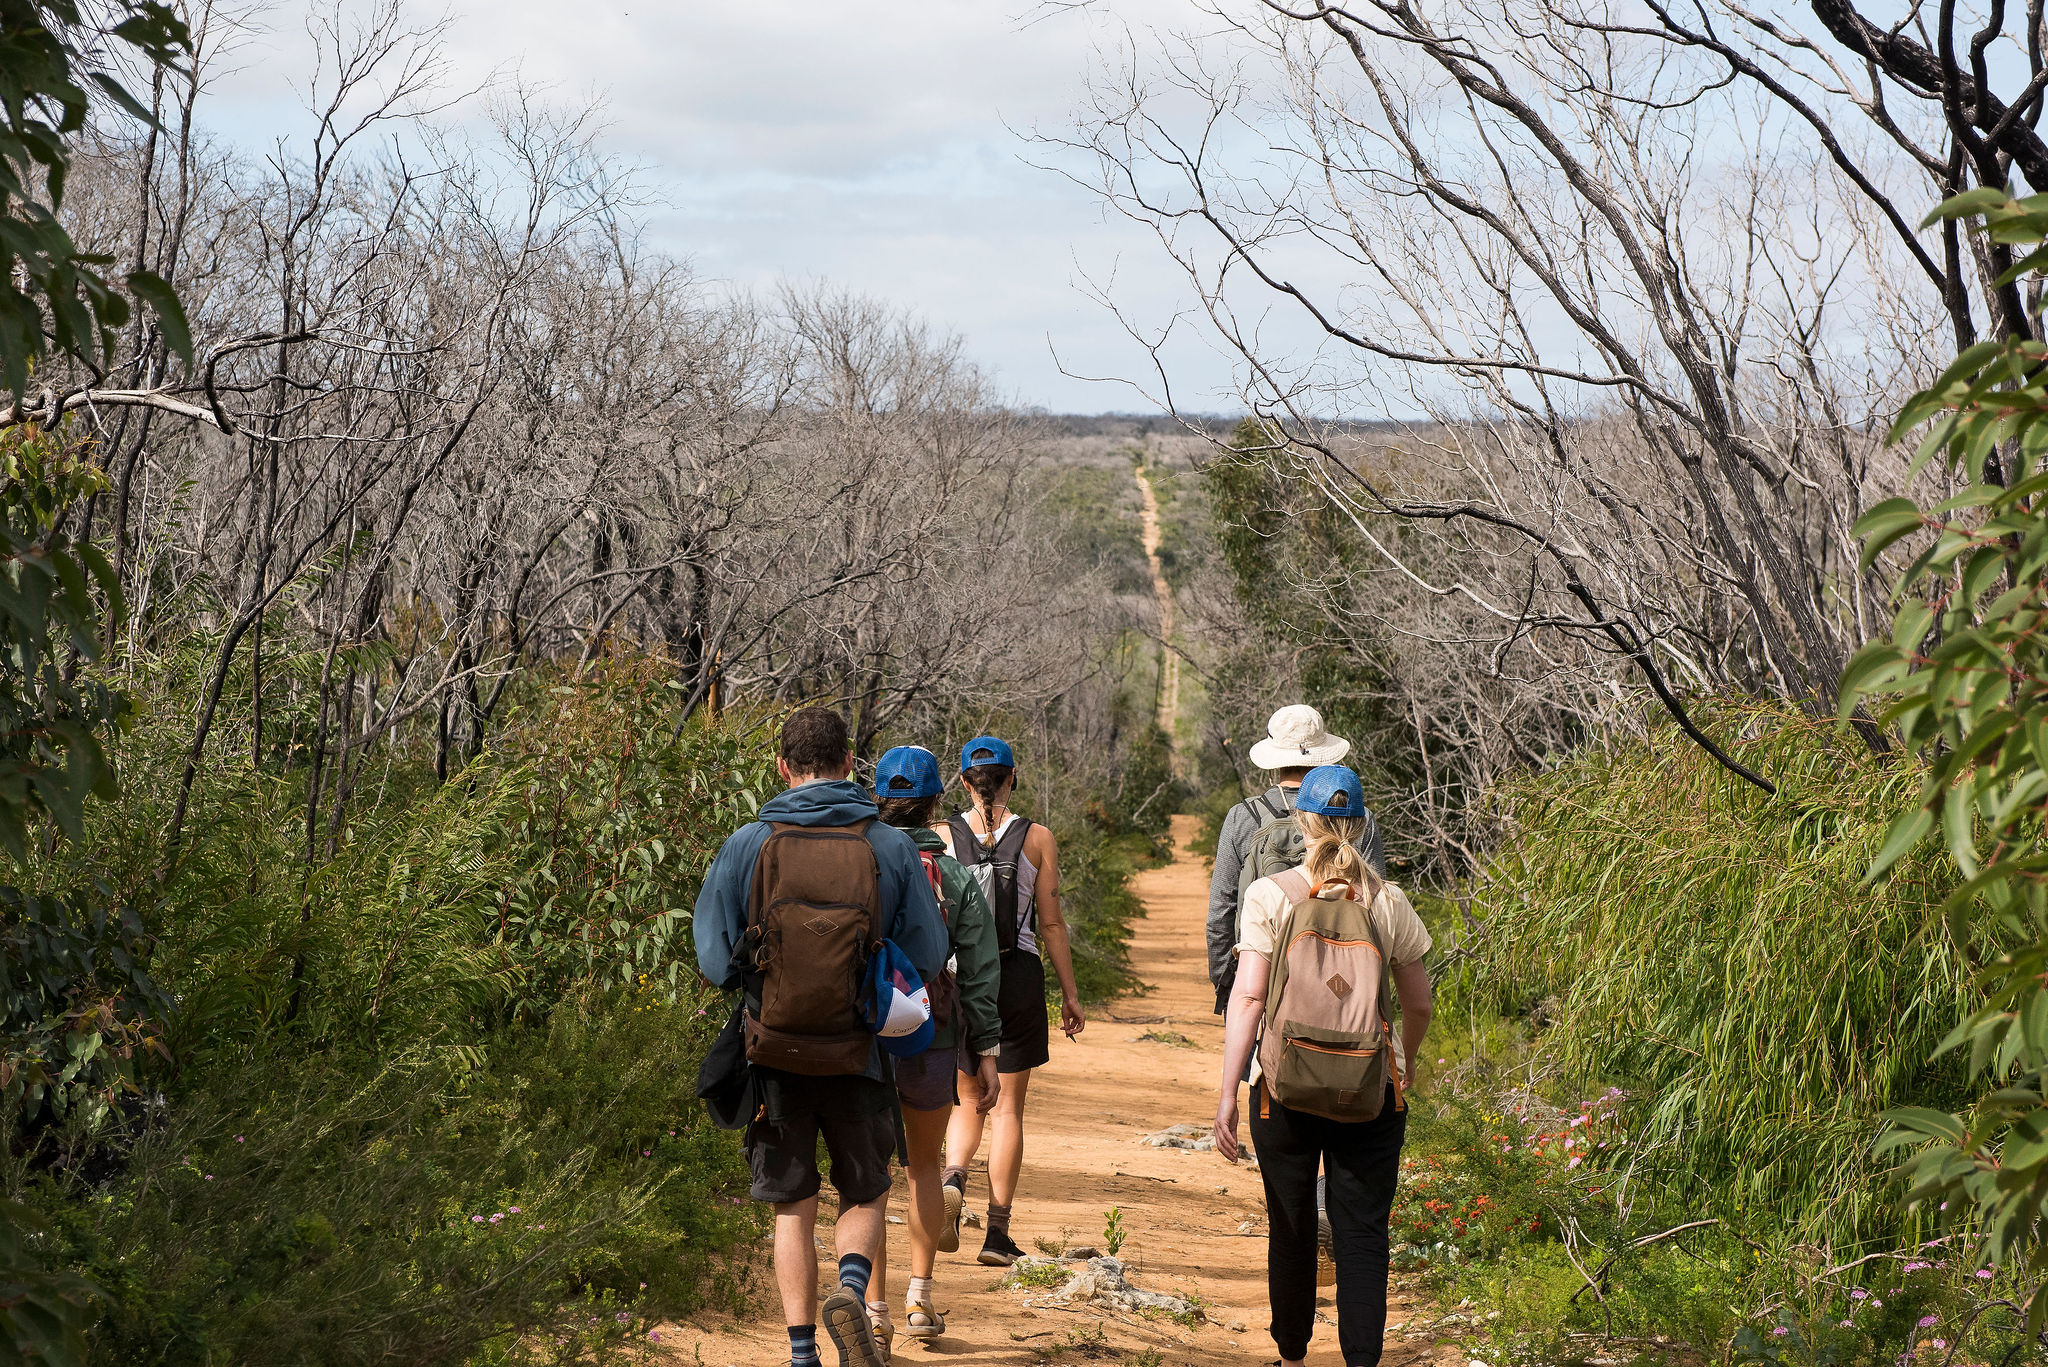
(998, 1251)
(949, 1231)
(844, 1317)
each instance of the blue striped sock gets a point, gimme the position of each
(854, 1271)
(803, 1345)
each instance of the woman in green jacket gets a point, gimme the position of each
(907, 788)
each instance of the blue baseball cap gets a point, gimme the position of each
(1332, 790)
(908, 771)
(986, 750)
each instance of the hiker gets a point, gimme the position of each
(907, 789)
(1017, 865)
(1295, 742)
(790, 910)
(1318, 949)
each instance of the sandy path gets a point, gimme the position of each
(1195, 1222)
(1162, 593)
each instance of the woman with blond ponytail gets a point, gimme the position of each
(1332, 853)
(1362, 1158)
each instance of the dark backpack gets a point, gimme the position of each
(812, 916)
(996, 871)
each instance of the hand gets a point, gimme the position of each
(991, 1084)
(1226, 1128)
(1072, 1019)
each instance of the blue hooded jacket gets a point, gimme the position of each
(910, 914)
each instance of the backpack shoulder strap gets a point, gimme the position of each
(966, 844)
(1262, 809)
(1012, 842)
(931, 872)
(1294, 883)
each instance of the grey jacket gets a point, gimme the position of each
(1240, 824)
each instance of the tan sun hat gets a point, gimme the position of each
(1296, 739)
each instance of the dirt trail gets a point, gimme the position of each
(1169, 662)
(1195, 1223)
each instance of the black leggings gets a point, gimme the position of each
(1363, 1161)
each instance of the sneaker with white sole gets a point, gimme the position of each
(844, 1318)
(949, 1228)
(998, 1250)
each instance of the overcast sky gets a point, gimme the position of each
(875, 143)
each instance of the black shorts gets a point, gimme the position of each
(784, 1154)
(929, 1081)
(1020, 1002)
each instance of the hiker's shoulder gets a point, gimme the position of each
(1266, 897)
(1038, 838)
(1395, 915)
(1240, 818)
(1393, 899)
(747, 838)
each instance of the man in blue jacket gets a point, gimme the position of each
(855, 1115)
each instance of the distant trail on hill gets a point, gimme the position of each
(1162, 592)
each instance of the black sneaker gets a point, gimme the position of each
(998, 1251)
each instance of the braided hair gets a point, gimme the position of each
(986, 782)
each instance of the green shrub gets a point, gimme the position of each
(476, 1003)
(1711, 951)
(436, 1203)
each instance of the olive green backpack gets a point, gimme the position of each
(1327, 1043)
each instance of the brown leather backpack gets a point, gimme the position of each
(812, 916)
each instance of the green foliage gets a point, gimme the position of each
(76, 1002)
(1113, 1230)
(1711, 950)
(77, 1005)
(377, 1049)
(51, 757)
(615, 825)
(43, 1314)
(51, 295)
(1097, 513)
(440, 1203)
(1666, 1045)
(1964, 678)
(1562, 1258)
(1289, 552)
(1100, 908)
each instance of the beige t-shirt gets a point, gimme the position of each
(1401, 931)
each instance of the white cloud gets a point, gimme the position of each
(870, 142)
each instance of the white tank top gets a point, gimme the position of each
(1027, 885)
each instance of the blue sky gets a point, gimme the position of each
(873, 143)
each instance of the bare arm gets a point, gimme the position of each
(1411, 983)
(1240, 1031)
(1043, 852)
